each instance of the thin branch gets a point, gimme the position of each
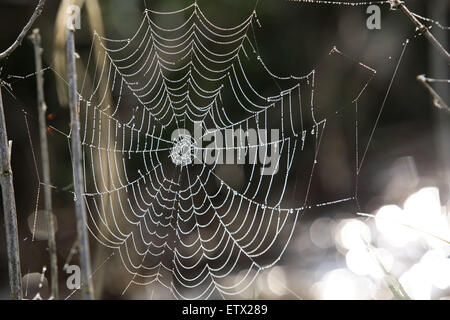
(42, 110)
(25, 30)
(6, 178)
(437, 100)
(9, 209)
(80, 209)
(421, 27)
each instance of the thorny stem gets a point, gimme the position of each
(80, 209)
(37, 12)
(42, 109)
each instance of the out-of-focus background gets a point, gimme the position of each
(335, 253)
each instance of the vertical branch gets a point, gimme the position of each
(80, 209)
(9, 209)
(42, 108)
(6, 176)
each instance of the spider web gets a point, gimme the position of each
(184, 226)
(188, 227)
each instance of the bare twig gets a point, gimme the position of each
(437, 100)
(6, 177)
(9, 209)
(80, 209)
(421, 27)
(25, 30)
(42, 109)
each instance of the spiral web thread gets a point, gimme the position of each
(184, 226)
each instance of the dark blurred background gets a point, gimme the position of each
(410, 150)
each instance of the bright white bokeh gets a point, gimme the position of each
(421, 217)
(433, 270)
(421, 223)
(438, 265)
(424, 210)
(417, 282)
(374, 263)
(391, 222)
(341, 284)
(352, 234)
